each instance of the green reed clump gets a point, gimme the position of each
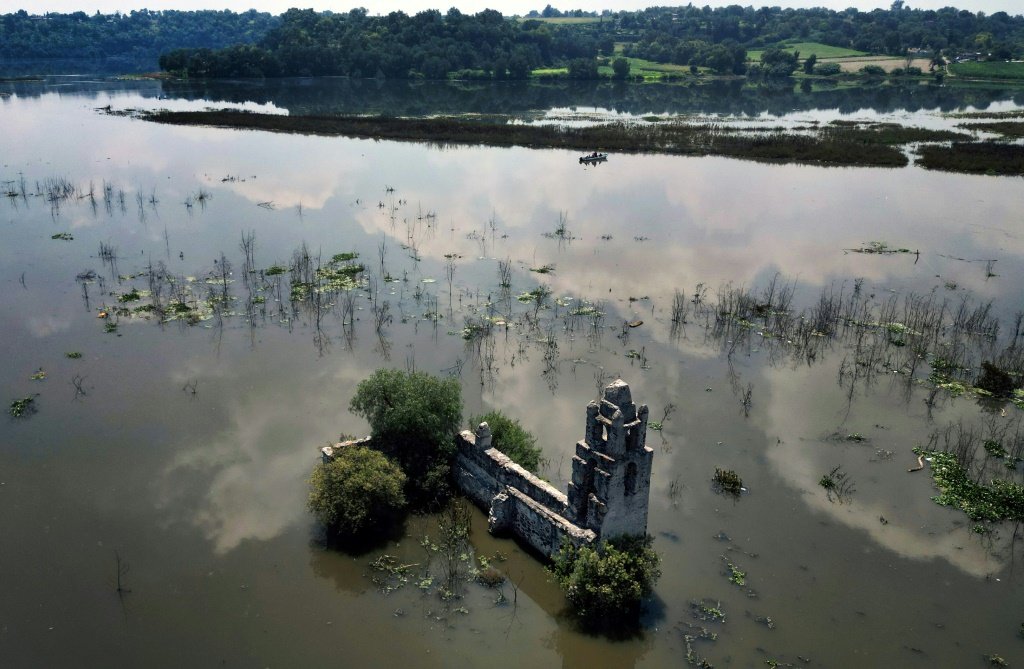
(974, 158)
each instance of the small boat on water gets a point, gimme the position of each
(593, 158)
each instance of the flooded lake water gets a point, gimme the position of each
(171, 458)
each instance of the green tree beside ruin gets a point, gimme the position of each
(413, 419)
(360, 490)
(512, 439)
(605, 585)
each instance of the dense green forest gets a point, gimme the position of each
(437, 45)
(488, 45)
(139, 35)
(428, 44)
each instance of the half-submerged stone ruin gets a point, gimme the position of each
(608, 495)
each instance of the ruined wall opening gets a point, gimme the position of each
(587, 488)
(630, 480)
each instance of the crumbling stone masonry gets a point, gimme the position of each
(610, 487)
(608, 494)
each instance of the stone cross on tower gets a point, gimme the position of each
(611, 470)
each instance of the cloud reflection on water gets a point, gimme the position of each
(249, 478)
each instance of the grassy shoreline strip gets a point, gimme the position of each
(848, 147)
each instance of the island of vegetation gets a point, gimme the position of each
(837, 144)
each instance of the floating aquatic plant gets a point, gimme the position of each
(24, 407)
(997, 501)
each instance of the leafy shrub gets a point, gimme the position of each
(827, 69)
(359, 490)
(413, 419)
(583, 68)
(620, 66)
(509, 437)
(873, 70)
(605, 585)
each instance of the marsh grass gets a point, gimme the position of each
(834, 146)
(1005, 128)
(974, 158)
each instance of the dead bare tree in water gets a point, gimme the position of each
(513, 616)
(77, 382)
(381, 319)
(122, 571)
(108, 197)
(449, 273)
(108, 256)
(453, 545)
(680, 311)
(248, 247)
(91, 194)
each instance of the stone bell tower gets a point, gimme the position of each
(611, 470)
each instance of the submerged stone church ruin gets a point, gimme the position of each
(608, 494)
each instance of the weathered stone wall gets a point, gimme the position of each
(476, 451)
(517, 502)
(327, 452)
(512, 512)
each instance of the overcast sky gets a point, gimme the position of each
(507, 7)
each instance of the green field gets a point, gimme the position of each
(647, 69)
(549, 71)
(993, 70)
(807, 48)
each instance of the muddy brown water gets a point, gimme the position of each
(188, 453)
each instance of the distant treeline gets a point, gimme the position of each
(139, 35)
(396, 46)
(686, 35)
(433, 45)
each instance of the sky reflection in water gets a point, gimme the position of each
(229, 463)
